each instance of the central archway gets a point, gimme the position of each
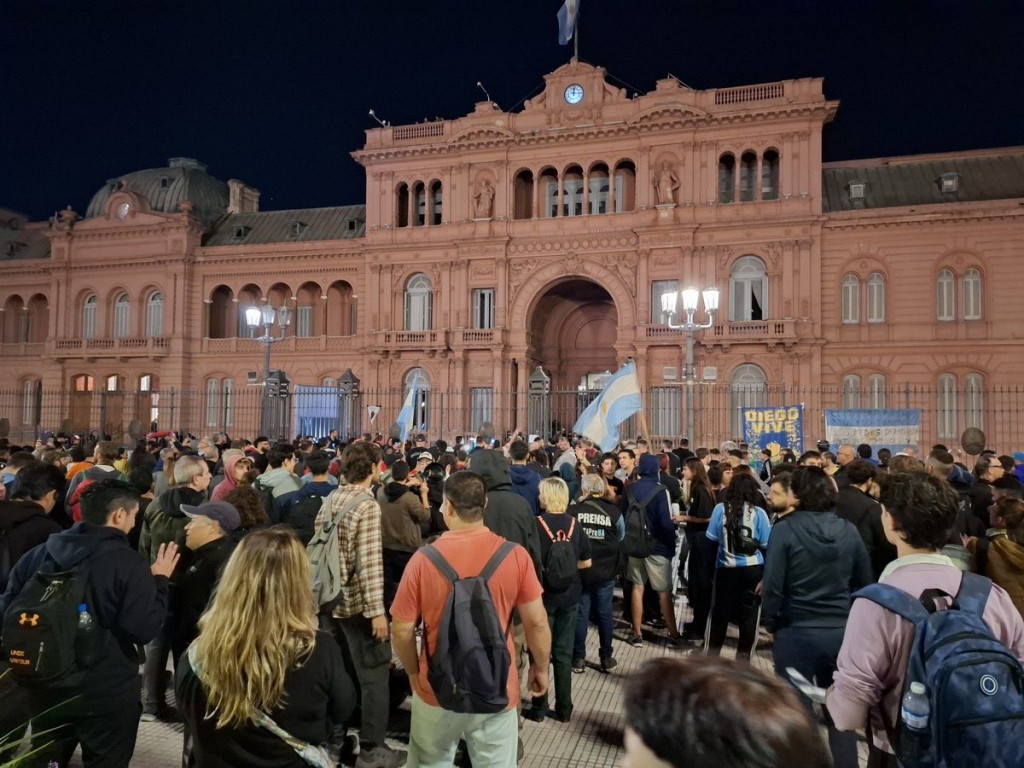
(571, 332)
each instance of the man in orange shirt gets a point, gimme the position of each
(467, 546)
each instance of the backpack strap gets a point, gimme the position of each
(895, 600)
(434, 556)
(496, 559)
(547, 530)
(650, 497)
(974, 592)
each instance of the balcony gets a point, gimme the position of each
(22, 349)
(770, 332)
(478, 338)
(127, 347)
(246, 346)
(415, 341)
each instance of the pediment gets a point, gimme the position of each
(667, 112)
(482, 133)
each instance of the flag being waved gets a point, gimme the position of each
(406, 416)
(619, 400)
(567, 21)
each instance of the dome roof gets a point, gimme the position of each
(165, 188)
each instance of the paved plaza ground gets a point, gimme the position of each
(592, 739)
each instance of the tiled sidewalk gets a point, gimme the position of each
(593, 738)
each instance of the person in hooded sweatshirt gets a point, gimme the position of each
(236, 466)
(525, 481)
(165, 523)
(280, 479)
(815, 562)
(25, 520)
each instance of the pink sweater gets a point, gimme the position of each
(873, 661)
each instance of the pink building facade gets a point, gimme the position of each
(497, 243)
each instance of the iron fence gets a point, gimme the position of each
(944, 413)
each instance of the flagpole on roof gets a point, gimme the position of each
(576, 35)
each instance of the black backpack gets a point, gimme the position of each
(266, 493)
(638, 541)
(41, 640)
(468, 670)
(560, 569)
(301, 515)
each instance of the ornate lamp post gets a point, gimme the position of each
(691, 297)
(275, 386)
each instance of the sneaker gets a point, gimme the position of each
(381, 757)
(636, 641)
(657, 623)
(148, 717)
(579, 666)
(675, 641)
(608, 664)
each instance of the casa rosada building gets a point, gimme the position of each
(498, 242)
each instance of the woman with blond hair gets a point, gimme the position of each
(261, 682)
(564, 549)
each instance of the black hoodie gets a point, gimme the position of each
(127, 602)
(23, 525)
(507, 513)
(815, 560)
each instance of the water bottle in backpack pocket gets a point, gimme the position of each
(963, 700)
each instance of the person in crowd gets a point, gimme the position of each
(739, 527)
(279, 478)
(560, 603)
(103, 468)
(601, 520)
(25, 520)
(844, 456)
(986, 471)
(671, 483)
(780, 503)
(525, 481)
(165, 523)
(918, 510)
(767, 467)
(492, 739)
(141, 479)
(626, 473)
(814, 563)
(236, 474)
(251, 514)
(18, 461)
(683, 713)
(208, 537)
(700, 564)
(609, 463)
(360, 617)
(163, 475)
(656, 568)
(299, 509)
(999, 552)
(405, 512)
(539, 462)
(856, 503)
(79, 461)
(259, 655)
(127, 598)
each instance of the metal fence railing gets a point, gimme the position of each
(944, 413)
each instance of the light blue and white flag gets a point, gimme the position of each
(619, 400)
(567, 15)
(892, 428)
(408, 413)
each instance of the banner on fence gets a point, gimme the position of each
(775, 428)
(892, 428)
(372, 411)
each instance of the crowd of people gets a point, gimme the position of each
(468, 576)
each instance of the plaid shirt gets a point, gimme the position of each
(359, 540)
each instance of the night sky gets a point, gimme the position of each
(276, 92)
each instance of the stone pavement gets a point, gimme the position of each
(593, 738)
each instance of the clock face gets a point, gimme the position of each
(574, 94)
(122, 210)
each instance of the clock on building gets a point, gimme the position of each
(122, 211)
(574, 93)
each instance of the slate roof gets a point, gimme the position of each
(295, 226)
(895, 182)
(165, 188)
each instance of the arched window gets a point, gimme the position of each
(212, 403)
(597, 183)
(876, 297)
(522, 195)
(155, 315)
(417, 418)
(549, 188)
(851, 391)
(222, 322)
(572, 191)
(945, 296)
(122, 316)
(418, 303)
(89, 317)
(402, 206)
(419, 204)
(748, 290)
(972, 294)
(876, 391)
(625, 186)
(770, 175)
(974, 403)
(436, 200)
(851, 299)
(748, 177)
(726, 178)
(946, 406)
(748, 388)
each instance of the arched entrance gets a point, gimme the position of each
(571, 332)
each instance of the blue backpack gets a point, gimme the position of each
(974, 684)
(468, 670)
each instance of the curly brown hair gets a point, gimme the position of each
(249, 505)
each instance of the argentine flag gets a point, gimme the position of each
(619, 400)
(408, 412)
(567, 21)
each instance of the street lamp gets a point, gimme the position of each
(691, 297)
(271, 414)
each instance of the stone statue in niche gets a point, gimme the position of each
(665, 184)
(483, 200)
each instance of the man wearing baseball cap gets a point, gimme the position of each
(208, 535)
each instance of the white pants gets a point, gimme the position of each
(435, 733)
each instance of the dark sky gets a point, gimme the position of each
(276, 92)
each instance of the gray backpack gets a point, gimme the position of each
(468, 670)
(324, 553)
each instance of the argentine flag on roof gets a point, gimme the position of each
(619, 400)
(567, 21)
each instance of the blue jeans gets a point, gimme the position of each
(596, 598)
